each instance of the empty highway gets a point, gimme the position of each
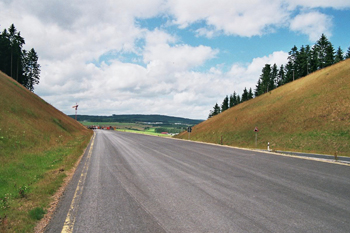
(136, 183)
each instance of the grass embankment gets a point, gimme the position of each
(311, 114)
(38, 145)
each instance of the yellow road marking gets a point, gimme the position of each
(70, 219)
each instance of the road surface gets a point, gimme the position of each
(137, 183)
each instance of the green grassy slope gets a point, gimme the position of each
(311, 114)
(38, 144)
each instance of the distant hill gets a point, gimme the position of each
(311, 114)
(138, 118)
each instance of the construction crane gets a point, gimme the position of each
(76, 110)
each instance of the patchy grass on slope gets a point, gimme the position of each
(38, 144)
(311, 114)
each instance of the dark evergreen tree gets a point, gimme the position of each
(17, 63)
(329, 59)
(230, 101)
(266, 79)
(234, 99)
(250, 94)
(225, 104)
(339, 55)
(238, 99)
(347, 55)
(302, 61)
(274, 77)
(258, 90)
(308, 58)
(280, 77)
(324, 52)
(215, 111)
(5, 53)
(245, 95)
(31, 69)
(314, 61)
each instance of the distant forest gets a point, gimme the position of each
(301, 62)
(138, 118)
(16, 62)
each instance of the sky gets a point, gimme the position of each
(169, 57)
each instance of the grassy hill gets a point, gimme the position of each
(38, 144)
(311, 114)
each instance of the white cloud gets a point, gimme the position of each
(68, 36)
(312, 24)
(239, 17)
(162, 58)
(336, 4)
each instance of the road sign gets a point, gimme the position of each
(256, 129)
(189, 129)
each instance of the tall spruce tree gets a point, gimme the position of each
(15, 61)
(325, 52)
(347, 55)
(280, 76)
(339, 56)
(225, 104)
(31, 70)
(245, 95)
(250, 94)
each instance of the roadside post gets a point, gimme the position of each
(189, 130)
(256, 136)
(268, 146)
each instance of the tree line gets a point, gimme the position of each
(15, 61)
(301, 62)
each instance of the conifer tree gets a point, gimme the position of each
(231, 104)
(347, 54)
(245, 95)
(250, 94)
(225, 104)
(339, 55)
(280, 76)
(16, 62)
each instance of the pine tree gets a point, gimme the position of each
(280, 77)
(250, 94)
(234, 99)
(339, 55)
(302, 61)
(274, 77)
(231, 104)
(258, 89)
(347, 54)
(329, 59)
(31, 69)
(314, 61)
(17, 63)
(324, 52)
(238, 99)
(215, 111)
(225, 104)
(245, 95)
(266, 78)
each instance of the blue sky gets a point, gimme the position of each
(174, 57)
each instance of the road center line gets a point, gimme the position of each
(71, 215)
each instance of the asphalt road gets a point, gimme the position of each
(137, 183)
